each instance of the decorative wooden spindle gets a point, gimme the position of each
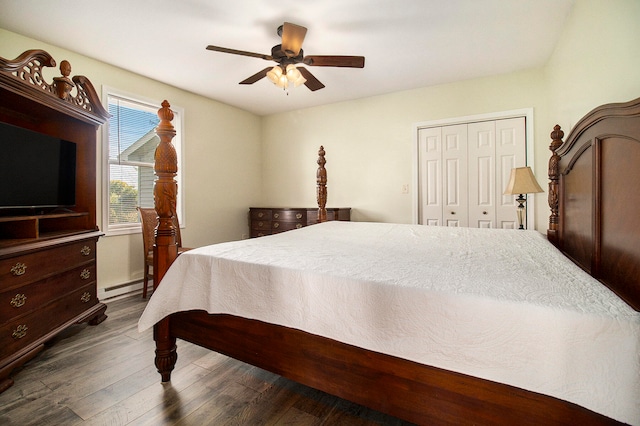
(321, 179)
(63, 85)
(554, 177)
(165, 250)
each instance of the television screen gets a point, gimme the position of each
(36, 170)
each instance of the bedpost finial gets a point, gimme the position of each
(165, 113)
(556, 137)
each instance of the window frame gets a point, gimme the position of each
(178, 142)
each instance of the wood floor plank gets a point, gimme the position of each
(105, 375)
(146, 399)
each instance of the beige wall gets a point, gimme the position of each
(597, 60)
(369, 142)
(221, 151)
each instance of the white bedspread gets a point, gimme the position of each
(502, 305)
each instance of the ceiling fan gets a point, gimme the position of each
(288, 55)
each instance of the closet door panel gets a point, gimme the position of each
(482, 177)
(430, 176)
(510, 153)
(455, 175)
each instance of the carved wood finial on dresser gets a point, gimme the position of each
(63, 85)
(24, 77)
(554, 177)
(321, 178)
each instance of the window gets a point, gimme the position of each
(130, 141)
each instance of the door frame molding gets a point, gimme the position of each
(527, 113)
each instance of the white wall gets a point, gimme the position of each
(369, 141)
(222, 158)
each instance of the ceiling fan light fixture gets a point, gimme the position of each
(288, 54)
(292, 72)
(282, 82)
(294, 76)
(275, 74)
(299, 81)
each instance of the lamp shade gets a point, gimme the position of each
(522, 181)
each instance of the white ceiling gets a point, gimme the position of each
(407, 43)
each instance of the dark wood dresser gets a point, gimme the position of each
(267, 220)
(48, 254)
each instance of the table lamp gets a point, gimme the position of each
(522, 181)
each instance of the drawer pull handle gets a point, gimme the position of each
(20, 331)
(298, 225)
(276, 225)
(18, 300)
(453, 212)
(85, 251)
(86, 296)
(276, 215)
(260, 224)
(298, 215)
(484, 212)
(85, 274)
(260, 215)
(18, 269)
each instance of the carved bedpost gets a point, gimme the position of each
(165, 249)
(321, 178)
(554, 178)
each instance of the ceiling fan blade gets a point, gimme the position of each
(239, 52)
(257, 76)
(335, 61)
(312, 83)
(292, 38)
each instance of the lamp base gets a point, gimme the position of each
(521, 209)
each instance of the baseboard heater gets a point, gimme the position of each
(119, 290)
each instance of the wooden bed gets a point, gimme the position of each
(593, 221)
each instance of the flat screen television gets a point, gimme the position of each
(37, 171)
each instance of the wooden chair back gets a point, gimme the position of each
(149, 221)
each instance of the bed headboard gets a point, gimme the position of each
(594, 196)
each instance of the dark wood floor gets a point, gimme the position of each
(104, 375)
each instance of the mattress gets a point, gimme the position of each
(502, 305)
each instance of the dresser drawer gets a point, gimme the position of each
(266, 221)
(23, 269)
(256, 233)
(286, 226)
(290, 215)
(22, 300)
(18, 333)
(261, 214)
(261, 225)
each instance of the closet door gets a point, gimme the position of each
(510, 152)
(430, 176)
(463, 170)
(442, 154)
(455, 175)
(482, 174)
